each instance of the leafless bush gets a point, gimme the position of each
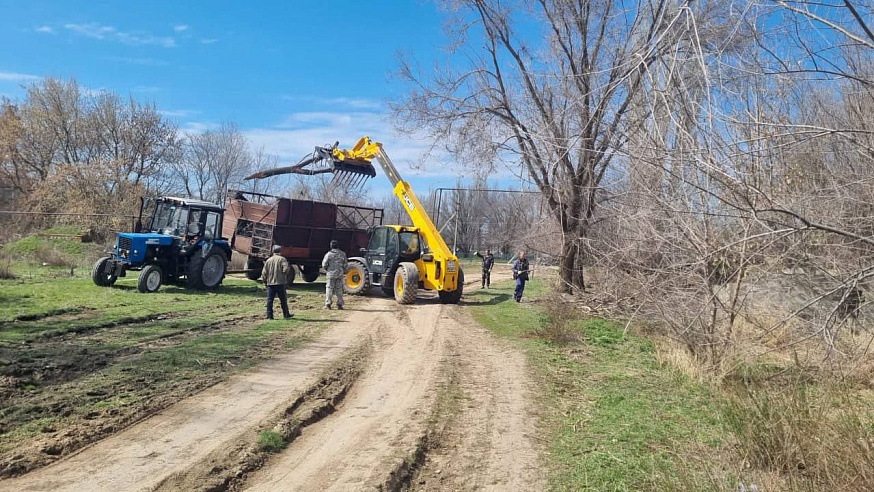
(561, 321)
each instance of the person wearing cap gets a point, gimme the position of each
(275, 275)
(334, 264)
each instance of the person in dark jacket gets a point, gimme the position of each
(521, 268)
(275, 275)
(488, 263)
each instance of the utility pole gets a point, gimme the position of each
(457, 213)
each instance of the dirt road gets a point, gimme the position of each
(382, 433)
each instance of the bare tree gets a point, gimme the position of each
(213, 161)
(560, 109)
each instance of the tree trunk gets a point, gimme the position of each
(571, 264)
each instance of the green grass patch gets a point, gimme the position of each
(271, 441)
(614, 417)
(77, 358)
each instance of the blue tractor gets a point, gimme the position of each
(180, 243)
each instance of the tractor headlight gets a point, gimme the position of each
(451, 265)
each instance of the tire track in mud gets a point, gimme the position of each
(174, 439)
(380, 422)
(65, 372)
(442, 398)
(488, 440)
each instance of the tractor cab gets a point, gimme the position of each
(184, 218)
(178, 238)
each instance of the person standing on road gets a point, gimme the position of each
(275, 275)
(334, 264)
(488, 263)
(520, 275)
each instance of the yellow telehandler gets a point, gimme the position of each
(398, 259)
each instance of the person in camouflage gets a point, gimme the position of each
(334, 264)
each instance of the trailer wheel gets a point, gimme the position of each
(101, 274)
(254, 264)
(453, 296)
(355, 280)
(209, 271)
(406, 283)
(289, 279)
(150, 279)
(309, 273)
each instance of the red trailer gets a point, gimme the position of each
(254, 222)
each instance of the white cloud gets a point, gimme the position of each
(333, 102)
(45, 29)
(151, 62)
(177, 113)
(191, 127)
(180, 28)
(18, 77)
(109, 33)
(208, 40)
(146, 88)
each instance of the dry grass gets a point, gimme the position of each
(50, 256)
(815, 436)
(6, 272)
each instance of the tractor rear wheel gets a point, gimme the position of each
(101, 274)
(453, 296)
(406, 283)
(309, 273)
(355, 281)
(254, 267)
(207, 272)
(150, 279)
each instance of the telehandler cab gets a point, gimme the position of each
(398, 259)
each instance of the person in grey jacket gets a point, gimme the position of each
(275, 276)
(521, 269)
(334, 264)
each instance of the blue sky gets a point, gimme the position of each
(291, 74)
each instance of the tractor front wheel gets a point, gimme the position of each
(406, 283)
(289, 279)
(207, 272)
(103, 274)
(150, 279)
(453, 296)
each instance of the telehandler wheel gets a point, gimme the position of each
(453, 296)
(150, 279)
(207, 272)
(355, 280)
(309, 273)
(254, 264)
(406, 283)
(101, 275)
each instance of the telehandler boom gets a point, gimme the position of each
(399, 259)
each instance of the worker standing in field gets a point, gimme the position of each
(275, 275)
(521, 268)
(334, 264)
(488, 263)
